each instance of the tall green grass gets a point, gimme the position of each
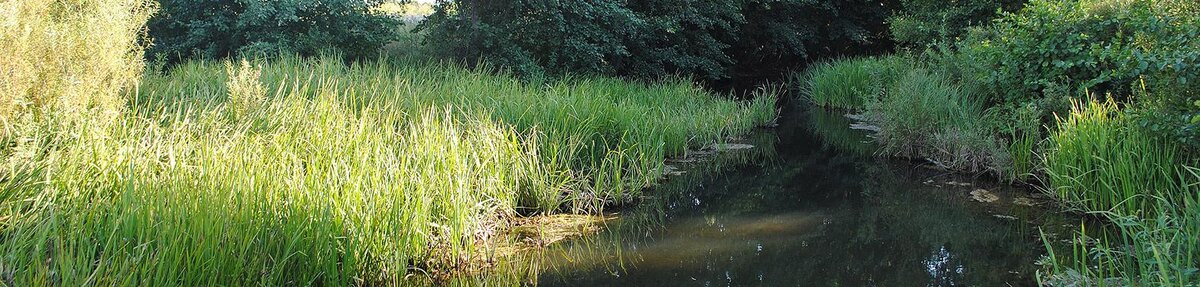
(926, 115)
(845, 84)
(315, 172)
(1157, 250)
(912, 111)
(1097, 161)
(1022, 127)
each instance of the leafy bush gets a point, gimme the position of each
(649, 39)
(225, 28)
(1068, 46)
(925, 23)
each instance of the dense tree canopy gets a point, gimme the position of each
(223, 28)
(921, 23)
(646, 39)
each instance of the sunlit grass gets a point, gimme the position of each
(1097, 161)
(314, 172)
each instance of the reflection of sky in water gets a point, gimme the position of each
(939, 269)
(811, 217)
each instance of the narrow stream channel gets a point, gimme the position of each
(810, 206)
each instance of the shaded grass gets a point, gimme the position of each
(926, 115)
(1158, 250)
(315, 172)
(845, 84)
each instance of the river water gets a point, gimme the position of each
(811, 206)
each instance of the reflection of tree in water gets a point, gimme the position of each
(815, 217)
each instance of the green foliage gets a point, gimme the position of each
(1158, 249)
(1096, 161)
(925, 23)
(850, 83)
(913, 112)
(216, 29)
(649, 39)
(1021, 127)
(840, 84)
(1061, 47)
(779, 35)
(926, 115)
(1171, 112)
(316, 172)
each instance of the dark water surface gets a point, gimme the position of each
(811, 207)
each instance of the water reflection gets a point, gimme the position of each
(810, 213)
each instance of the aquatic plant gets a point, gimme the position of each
(1158, 250)
(312, 171)
(926, 115)
(841, 84)
(1095, 161)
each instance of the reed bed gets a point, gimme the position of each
(1098, 162)
(312, 171)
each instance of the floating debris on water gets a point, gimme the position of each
(726, 147)
(955, 183)
(669, 170)
(1024, 201)
(983, 195)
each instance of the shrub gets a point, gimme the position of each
(1104, 46)
(224, 28)
(926, 23)
(650, 39)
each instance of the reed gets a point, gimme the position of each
(1096, 161)
(844, 84)
(315, 172)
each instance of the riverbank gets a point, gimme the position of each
(804, 211)
(1108, 132)
(312, 171)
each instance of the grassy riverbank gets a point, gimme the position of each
(319, 172)
(304, 171)
(1109, 129)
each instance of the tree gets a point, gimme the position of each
(648, 39)
(224, 28)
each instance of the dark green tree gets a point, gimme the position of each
(781, 35)
(649, 39)
(924, 23)
(224, 28)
